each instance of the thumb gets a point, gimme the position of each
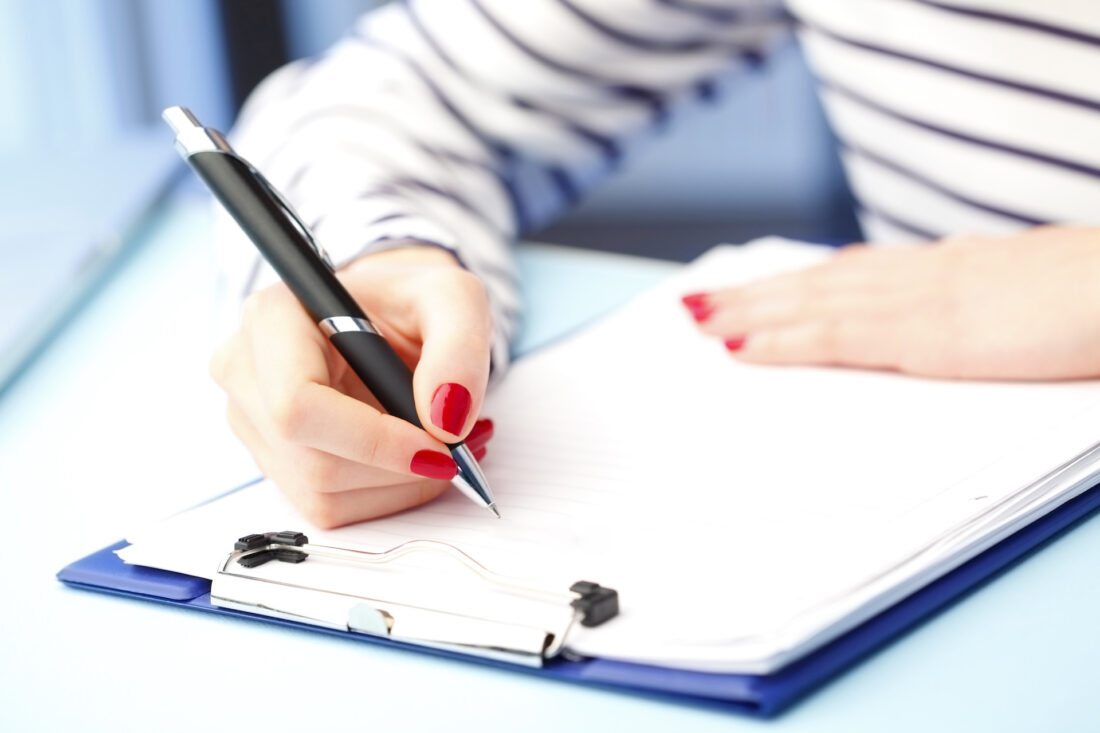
(453, 370)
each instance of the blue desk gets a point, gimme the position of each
(117, 423)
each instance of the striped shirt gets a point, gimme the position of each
(466, 123)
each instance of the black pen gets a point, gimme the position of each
(286, 243)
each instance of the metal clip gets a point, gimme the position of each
(238, 586)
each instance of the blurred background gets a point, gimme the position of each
(84, 158)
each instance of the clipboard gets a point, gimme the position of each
(756, 695)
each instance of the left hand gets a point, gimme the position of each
(1025, 306)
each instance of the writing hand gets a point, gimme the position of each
(313, 427)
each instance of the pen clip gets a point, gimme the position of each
(291, 214)
(193, 137)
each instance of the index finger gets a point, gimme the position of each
(299, 404)
(450, 378)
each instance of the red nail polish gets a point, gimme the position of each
(450, 407)
(481, 432)
(699, 305)
(477, 441)
(694, 300)
(702, 313)
(735, 343)
(433, 464)
(479, 454)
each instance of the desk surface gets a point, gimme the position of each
(117, 423)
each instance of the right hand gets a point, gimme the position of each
(311, 425)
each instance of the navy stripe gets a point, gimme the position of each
(510, 312)
(387, 217)
(507, 179)
(564, 185)
(898, 222)
(610, 149)
(706, 90)
(721, 15)
(420, 242)
(634, 92)
(504, 273)
(629, 39)
(1015, 21)
(488, 269)
(939, 188)
(753, 58)
(1032, 155)
(772, 12)
(458, 159)
(500, 149)
(607, 146)
(397, 186)
(361, 113)
(1044, 92)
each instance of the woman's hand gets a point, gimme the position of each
(314, 428)
(1025, 306)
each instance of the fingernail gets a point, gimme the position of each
(699, 306)
(735, 343)
(702, 314)
(433, 464)
(450, 407)
(479, 453)
(694, 300)
(481, 432)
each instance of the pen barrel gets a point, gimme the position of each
(382, 371)
(280, 240)
(288, 249)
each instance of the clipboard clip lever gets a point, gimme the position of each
(238, 585)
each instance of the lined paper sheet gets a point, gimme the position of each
(745, 514)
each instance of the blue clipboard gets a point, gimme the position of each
(757, 695)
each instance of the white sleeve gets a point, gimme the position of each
(466, 123)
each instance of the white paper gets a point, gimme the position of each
(745, 514)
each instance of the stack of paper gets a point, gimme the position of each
(746, 514)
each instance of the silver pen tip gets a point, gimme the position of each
(493, 509)
(469, 479)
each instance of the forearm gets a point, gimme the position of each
(465, 124)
